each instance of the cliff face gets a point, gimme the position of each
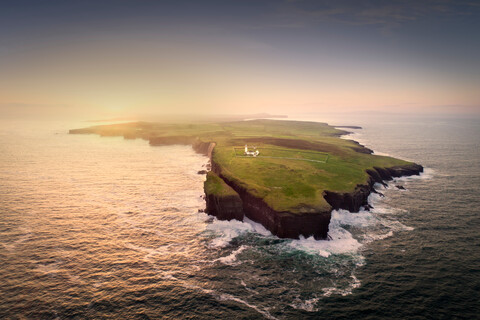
(353, 201)
(224, 207)
(205, 148)
(222, 201)
(171, 140)
(284, 224)
(198, 145)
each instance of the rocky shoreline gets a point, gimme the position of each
(354, 201)
(240, 203)
(288, 225)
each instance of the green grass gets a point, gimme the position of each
(287, 154)
(216, 186)
(276, 176)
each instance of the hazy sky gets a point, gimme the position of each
(117, 58)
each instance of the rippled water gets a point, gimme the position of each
(109, 228)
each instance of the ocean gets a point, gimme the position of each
(106, 228)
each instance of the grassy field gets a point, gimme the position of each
(283, 175)
(216, 186)
(287, 154)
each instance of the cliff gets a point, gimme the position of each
(288, 225)
(353, 201)
(222, 201)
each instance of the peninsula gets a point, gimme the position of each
(286, 175)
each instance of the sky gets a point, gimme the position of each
(114, 58)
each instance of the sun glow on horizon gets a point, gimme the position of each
(187, 65)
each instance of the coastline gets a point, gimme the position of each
(287, 225)
(274, 209)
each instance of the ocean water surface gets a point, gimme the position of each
(95, 227)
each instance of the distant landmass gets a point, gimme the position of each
(286, 175)
(194, 118)
(348, 127)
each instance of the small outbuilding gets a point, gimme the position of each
(251, 153)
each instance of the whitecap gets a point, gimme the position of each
(362, 218)
(231, 259)
(341, 242)
(353, 284)
(247, 288)
(226, 231)
(307, 305)
(226, 296)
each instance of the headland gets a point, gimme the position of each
(301, 172)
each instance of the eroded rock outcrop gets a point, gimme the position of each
(222, 201)
(353, 201)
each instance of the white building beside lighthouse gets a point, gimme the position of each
(251, 153)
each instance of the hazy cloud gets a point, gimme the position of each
(382, 14)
